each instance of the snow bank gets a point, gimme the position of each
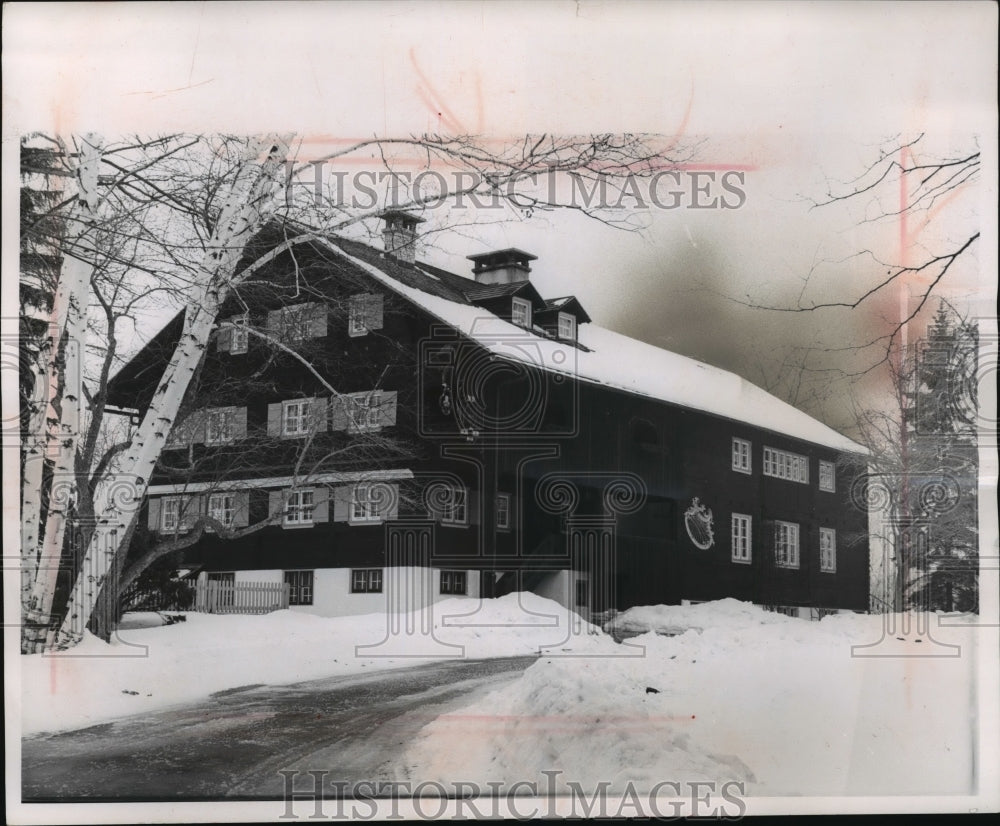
(148, 668)
(670, 620)
(784, 705)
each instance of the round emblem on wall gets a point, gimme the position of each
(698, 523)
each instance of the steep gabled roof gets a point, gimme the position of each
(606, 358)
(618, 361)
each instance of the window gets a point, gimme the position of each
(298, 322)
(356, 316)
(521, 312)
(170, 515)
(828, 550)
(299, 507)
(567, 327)
(785, 610)
(453, 501)
(300, 587)
(784, 465)
(741, 537)
(240, 338)
(786, 544)
(503, 510)
(219, 427)
(741, 456)
(827, 477)
(365, 313)
(293, 417)
(366, 581)
(453, 582)
(367, 411)
(220, 508)
(369, 502)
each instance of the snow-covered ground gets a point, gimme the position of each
(149, 668)
(779, 704)
(720, 691)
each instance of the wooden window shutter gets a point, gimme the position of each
(373, 312)
(316, 327)
(338, 413)
(153, 514)
(197, 426)
(239, 422)
(317, 415)
(274, 419)
(191, 509)
(275, 503)
(387, 408)
(321, 504)
(224, 340)
(342, 497)
(275, 327)
(241, 509)
(186, 430)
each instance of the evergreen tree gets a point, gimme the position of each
(941, 466)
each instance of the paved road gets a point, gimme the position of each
(233, 744)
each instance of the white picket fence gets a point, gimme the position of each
(215, 597)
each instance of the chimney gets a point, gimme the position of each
(502, 266)
(399, 234)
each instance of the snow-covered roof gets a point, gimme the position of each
(618, 361)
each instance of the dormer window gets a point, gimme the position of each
(521, 312)
(567, 327)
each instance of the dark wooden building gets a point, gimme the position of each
(399, 433)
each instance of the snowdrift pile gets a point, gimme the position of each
(784, 705)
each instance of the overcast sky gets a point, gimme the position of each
(794, 93)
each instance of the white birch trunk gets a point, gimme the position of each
(59, 430)
(118, 494)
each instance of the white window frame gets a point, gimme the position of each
(224, 434)
(302, 418)
(566, 327)
(503, 511)
(828, 550)
(239, 340)
(827, 476)
(215, 508)
(520, 312)
(365, 580)
(783, 464)
(741, 529)
(168, 504)
(365, 499)
(299, 593)
(299, 507)
(456, 507)
(367, 411)
(450, 581)
(786, 544)
(742, 456)
(357, 315)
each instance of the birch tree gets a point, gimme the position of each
(125, 231)
(244, 209)
(55, 427)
